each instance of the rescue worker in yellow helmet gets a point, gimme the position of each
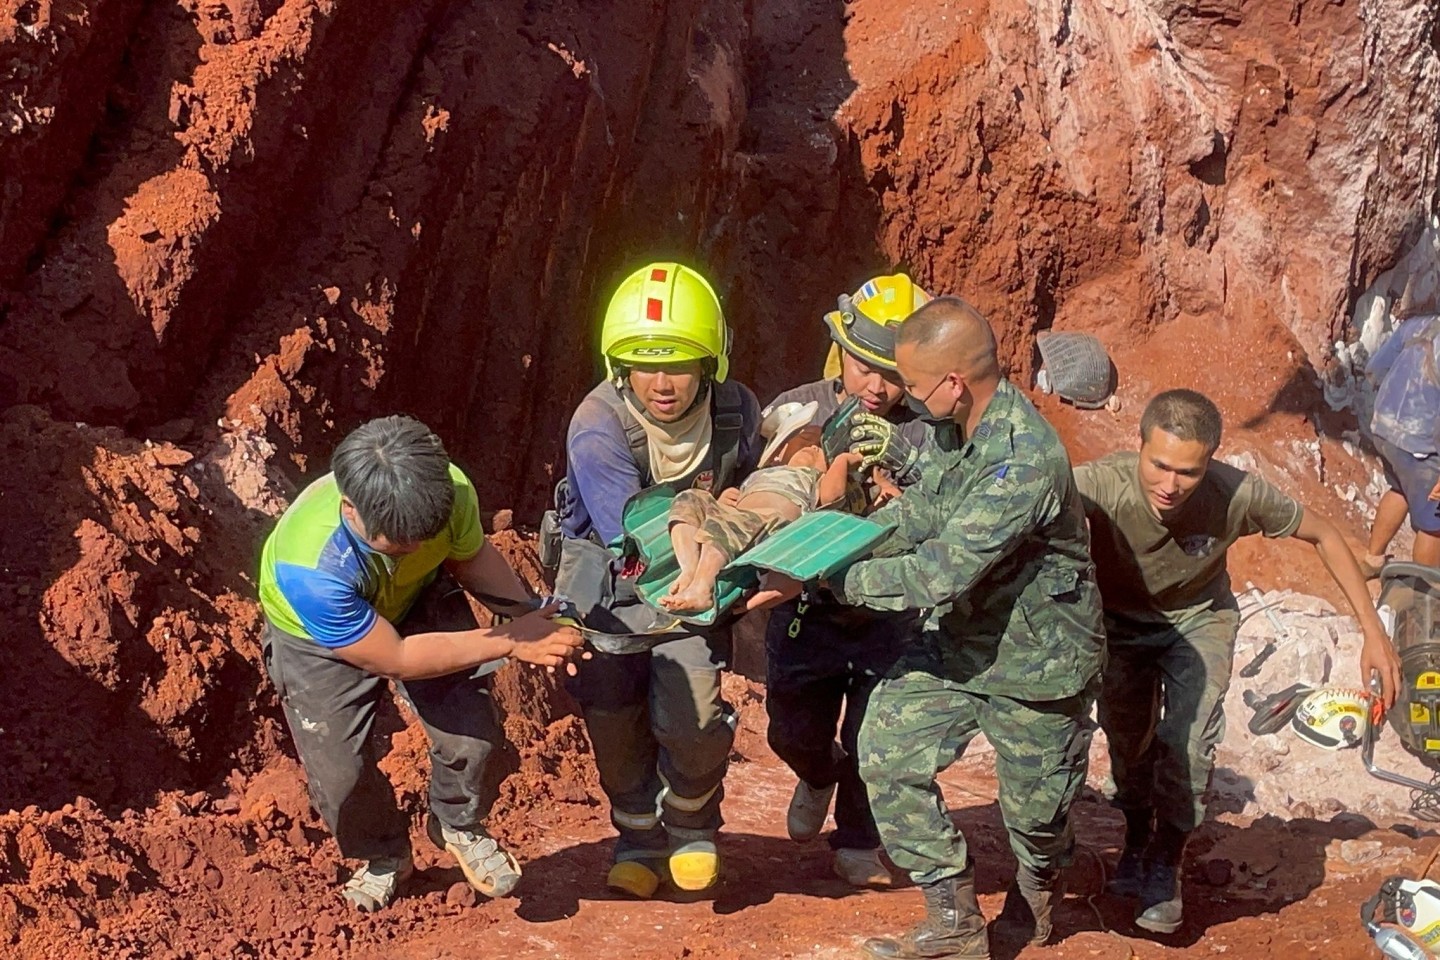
(825, 659)
(666, 414)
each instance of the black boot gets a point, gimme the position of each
(953, 928)
(1161, 910)
(1029, 901)
(1130, 871)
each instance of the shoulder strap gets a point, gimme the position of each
(729, 428)
(634, 433)
(729, 419)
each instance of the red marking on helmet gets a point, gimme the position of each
(654, 309)
(658, 276)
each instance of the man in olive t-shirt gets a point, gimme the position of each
(1161, 521)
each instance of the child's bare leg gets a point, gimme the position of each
(698, 594)
(687, 554)
(1390, 515)
(687, 513)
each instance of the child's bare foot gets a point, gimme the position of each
(695, 598)
(681, 583)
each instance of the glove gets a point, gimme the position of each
(881, 444)
(835, 432)
(504, 609)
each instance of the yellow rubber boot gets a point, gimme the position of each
(633, 877)
(695, 865)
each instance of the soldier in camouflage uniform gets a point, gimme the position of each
(992, 545)
(1162, 522)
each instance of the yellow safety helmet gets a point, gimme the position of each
(663, 313)
(863, 324)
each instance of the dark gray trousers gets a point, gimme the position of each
(660, 728)
(823, 662)
(330, 709)
(662, 734)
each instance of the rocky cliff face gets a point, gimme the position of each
(284, 217)
(1116, 166)
(269, 210)
(395, 198)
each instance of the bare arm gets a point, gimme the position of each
(489, 578)
(832, 481)
(1377, 654)
(775, 588)
(534, 638)
(885, 488)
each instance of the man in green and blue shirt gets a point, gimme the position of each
(364, 580)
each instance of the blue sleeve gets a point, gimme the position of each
(604, 475)
(330, 610)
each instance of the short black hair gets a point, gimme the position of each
(1186, 414)
(397, 474)
(951, 325)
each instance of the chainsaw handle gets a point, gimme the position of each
(1252, 669)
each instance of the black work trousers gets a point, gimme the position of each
(662, 734)
(330, 708)
(822, 663)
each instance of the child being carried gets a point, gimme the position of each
(794, 479)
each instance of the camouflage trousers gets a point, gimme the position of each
(920, 722)
(732, 530)
(1162, 707)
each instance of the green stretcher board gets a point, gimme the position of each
(812, 548)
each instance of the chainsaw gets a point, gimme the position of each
(1410, 610)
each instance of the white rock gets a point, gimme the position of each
(1361, 851)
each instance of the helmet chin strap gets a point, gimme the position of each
(622, 383)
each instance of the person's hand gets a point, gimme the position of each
(774, 588)
(729, 497)
(885, 488)
(881, 444)
(539, 639)
(1378, 656)
(1435, 491)
(850, 461)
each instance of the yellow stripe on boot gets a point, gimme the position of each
(633, 877)
(695, 865)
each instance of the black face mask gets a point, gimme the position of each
(917, 406)
(913, 404)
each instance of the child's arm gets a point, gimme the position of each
(885, 488)
(832, 481)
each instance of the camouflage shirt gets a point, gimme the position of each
(992, 543)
